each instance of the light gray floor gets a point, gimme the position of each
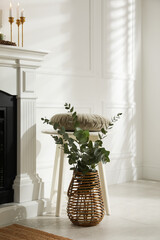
(135, 215)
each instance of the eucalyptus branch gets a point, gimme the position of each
(104, 131)
(74, 114)
(83, 154)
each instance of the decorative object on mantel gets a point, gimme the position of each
(85, 201)
(11, 19)
(19, 232)
(20, 20)
(1, 36)
(3, 42)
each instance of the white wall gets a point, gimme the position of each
(94, 63)
(151, 89)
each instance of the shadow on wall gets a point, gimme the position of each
(120, 88)
(27, 162)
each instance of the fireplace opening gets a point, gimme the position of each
(8, 145)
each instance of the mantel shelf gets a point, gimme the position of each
(11, 53)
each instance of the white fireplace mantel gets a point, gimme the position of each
(9, 56)
(27, 184)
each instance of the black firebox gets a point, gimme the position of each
(8, 145)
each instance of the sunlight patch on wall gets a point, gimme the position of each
(119, 27)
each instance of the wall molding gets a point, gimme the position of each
(118, 106)
(151, 165)
(125, 107)
(122, 155)
(58, 106)
(79, 73)
(117, 75)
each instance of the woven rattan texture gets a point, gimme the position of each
(18, 232)
(85, 203)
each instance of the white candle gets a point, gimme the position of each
(18, 11)
(10, 10)
(22, 13)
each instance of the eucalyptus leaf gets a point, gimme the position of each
(56, 126)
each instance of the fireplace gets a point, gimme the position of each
(27, 185)
(8, 146)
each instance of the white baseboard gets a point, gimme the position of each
(124, 175)
(13, 212)
(151, 173)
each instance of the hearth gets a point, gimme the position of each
(8, 146)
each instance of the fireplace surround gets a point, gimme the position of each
(27, 184)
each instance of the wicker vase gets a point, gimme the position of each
(85, 203)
